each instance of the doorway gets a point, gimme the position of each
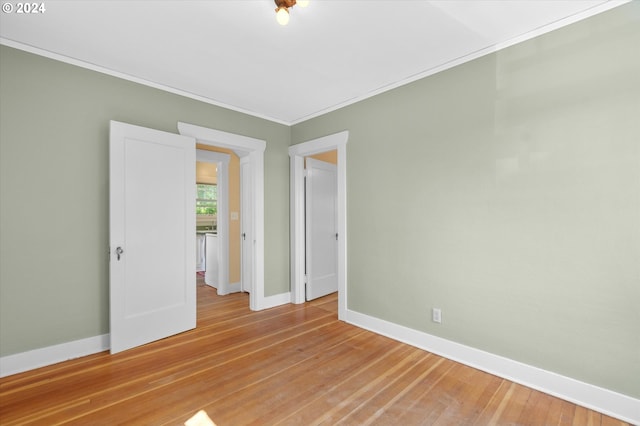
(321, 233)
(164, 243)
(253, 150)
(297, 153)
(218, 243)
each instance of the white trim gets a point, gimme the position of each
(603, 7)
(234, 287)
(221, 160)
(256, 286)
(297, 153)
(275, 300)
(25, 361)
(128, 77)
(593, 397)
(240, 144)
(602, 400)
(245, 224)
(318, 145)
(254, 149)
(297, 228)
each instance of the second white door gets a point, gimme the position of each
(321, 230)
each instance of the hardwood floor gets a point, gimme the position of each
(290, 365)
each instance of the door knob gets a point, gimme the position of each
(119, 251)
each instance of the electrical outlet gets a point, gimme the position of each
(436, 315)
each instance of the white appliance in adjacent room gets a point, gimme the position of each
(200, 252)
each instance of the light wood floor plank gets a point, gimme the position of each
(409, 408)
(516, 405)
(535, 411)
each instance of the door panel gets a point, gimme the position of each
(152, 221)
(321, 244)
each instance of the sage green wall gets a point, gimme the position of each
(54, 128)
(506, 191)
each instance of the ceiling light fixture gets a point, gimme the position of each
(282, 9)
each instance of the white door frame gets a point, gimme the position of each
(222, 181)
(245, 224)
(337, 141)
(254, 149)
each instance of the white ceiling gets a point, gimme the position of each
(233, 53)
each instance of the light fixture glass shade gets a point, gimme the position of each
(302, 3)
(282, 15)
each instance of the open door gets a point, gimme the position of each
(152, 235)
(321, 231)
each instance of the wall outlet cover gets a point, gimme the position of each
(436, 315)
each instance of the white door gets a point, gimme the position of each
(152, 235)
(321, 232)
(246, 231)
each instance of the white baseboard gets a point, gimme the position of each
(234, 287)
(228, 289)
(593, 397)
(602, 400)
(24, 361)
(275, 300)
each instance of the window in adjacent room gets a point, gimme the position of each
(207, 199)
(206, 206)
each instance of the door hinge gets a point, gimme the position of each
(306, 279)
